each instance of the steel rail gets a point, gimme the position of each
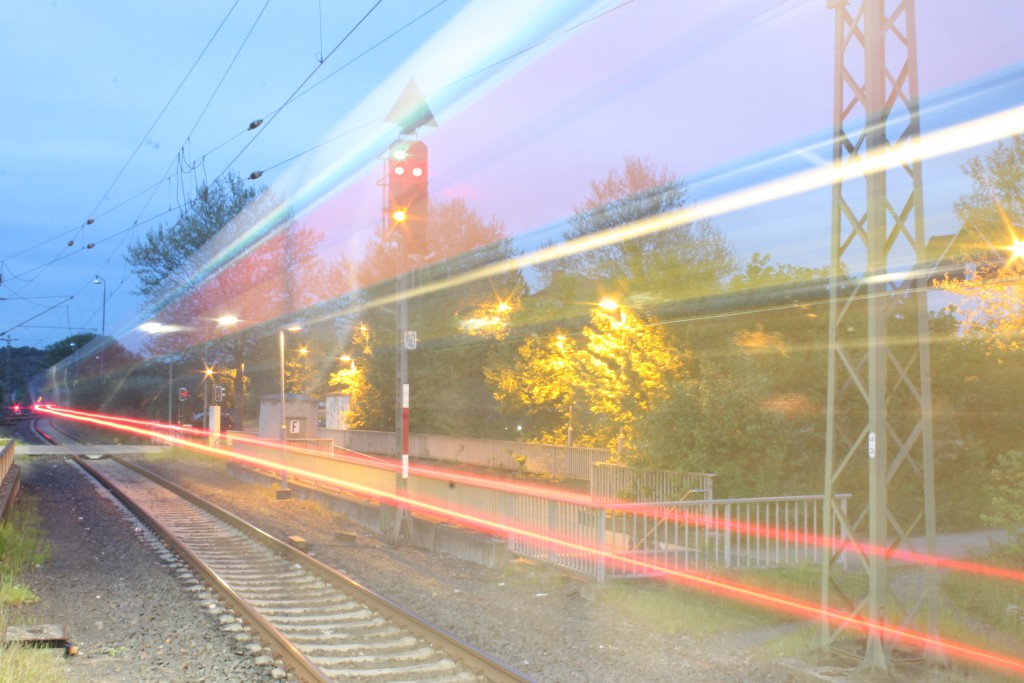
(467, 655)
(304, 669)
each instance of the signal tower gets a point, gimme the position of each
(879, 420)
(407, 201)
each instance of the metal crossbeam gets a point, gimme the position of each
(879, 423)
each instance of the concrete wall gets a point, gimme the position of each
(434, 535)
(301, 414)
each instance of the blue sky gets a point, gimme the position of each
(698, 87)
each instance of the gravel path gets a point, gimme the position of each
(126, 608)
(136, 620)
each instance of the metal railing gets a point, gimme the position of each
(644, 540)
(6, 459)
(598, 539)
(615, 482)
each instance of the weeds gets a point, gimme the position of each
(20, 664)
(21, 546)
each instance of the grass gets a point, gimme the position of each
(986, 612)
(975, 612)
(703, 613)
(21, 546)
(20, 664)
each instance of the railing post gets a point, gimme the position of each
(842, 532)
(553, 530)
(600, 543)
(728, 535)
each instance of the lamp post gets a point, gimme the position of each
(97, 280)
(207, 375)
(151, 328)
(227, 321)
(284, 491)
(222, 321)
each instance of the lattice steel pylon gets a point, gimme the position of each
(879, 420)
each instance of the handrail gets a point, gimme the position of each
(6, 459)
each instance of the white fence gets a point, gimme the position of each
(614, 482)
(598, 539)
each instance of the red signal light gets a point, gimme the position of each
(408, 198)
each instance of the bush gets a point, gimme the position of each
(1008, 497)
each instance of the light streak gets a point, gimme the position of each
(946, 141)
(547, 492)
(755, 596)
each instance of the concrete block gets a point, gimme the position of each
(345, 537)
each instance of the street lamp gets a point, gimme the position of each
(228, 320)
(207, 375)
(154, 327)
(97, 280)
(284, 491)
(222, 321)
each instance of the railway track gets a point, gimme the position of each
(324, 626)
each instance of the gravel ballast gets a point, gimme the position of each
(135, 619)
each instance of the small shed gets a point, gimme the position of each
(300, 417)
(337, 407)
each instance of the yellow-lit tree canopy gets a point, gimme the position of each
(993, 303)
(992, 216)
(613, 371)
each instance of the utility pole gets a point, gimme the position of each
(8, 393)
(407, 207)
(103, 330)
(879, 420)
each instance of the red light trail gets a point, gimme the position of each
(494, 483)
(756, 596)
(560, 495)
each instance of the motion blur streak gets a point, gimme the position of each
(755, 596)
(955, 138)
(753, 529)
(440, 474)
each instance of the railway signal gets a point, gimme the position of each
(408, 198)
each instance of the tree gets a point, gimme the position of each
(209, 263)
(991, 216)
(448, 394)
(540, 390)
(1008, 498)
(993, 303)
(993, 211)
(978, 385)
(355, 379)
(722, 421)
(616, 373)
(749, 406)
(690, 258)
